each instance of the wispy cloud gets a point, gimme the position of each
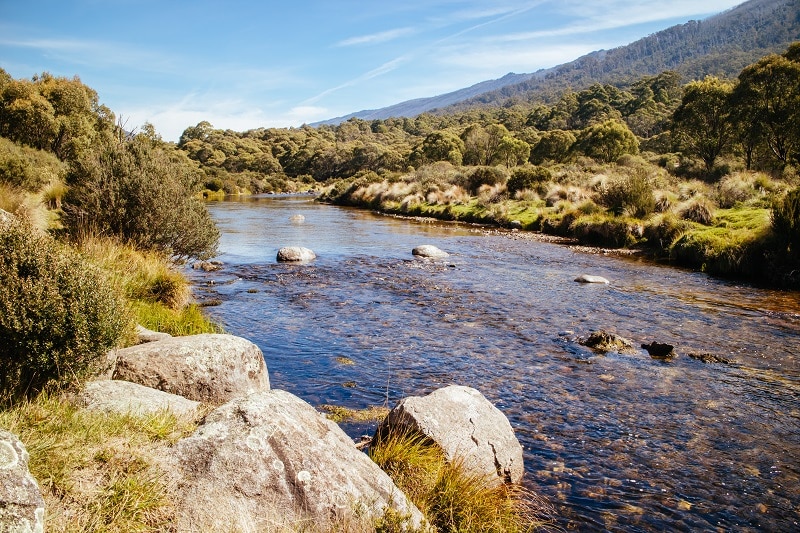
(374, 73)
(97, 54)
(376, 38)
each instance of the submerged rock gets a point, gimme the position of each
(710, 358)
(466, 426)
(271, 462)
(659, 350)
(604, 341)
(207, 266)
(586, 278)
(295, 254)
(211, 368)
(21, 502)
(428, 250)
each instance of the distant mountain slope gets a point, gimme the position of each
(411, 108)
(721, 45)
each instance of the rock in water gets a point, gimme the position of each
(586, 278)
(604, 341)
(295, 254)
(209, 368)
(466, 426)
(21, 502)
(271, 462)
(659, 350)
(430, 251)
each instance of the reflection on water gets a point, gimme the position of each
(616, 442)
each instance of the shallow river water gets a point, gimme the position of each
(615, 442)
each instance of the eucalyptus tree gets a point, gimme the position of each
(702, 124)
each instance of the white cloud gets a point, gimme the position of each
(374, 73)
(376, 38)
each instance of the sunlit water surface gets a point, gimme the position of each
(616, 442)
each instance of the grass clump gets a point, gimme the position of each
(157, 292)
(451, 499)
(188, 320)
(59, 314)
(97, 471)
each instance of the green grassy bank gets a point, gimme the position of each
(741, 226)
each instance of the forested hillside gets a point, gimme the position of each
(720, 46)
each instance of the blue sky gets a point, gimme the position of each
(243, 65)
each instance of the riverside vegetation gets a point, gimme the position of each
(700, 174)
(95, 221)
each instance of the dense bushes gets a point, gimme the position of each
(527, 177)
(786, 220)
(631, 195)
(141, 193)
(59, 314)
(485, 176)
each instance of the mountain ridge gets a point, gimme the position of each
(720, 45)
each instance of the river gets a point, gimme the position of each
(615, 442)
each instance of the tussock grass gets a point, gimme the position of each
(188, 320)
(143, 275)
(451, 499)
(98, 471)
(158, 292)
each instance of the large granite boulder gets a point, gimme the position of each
(429, 251)
(271, 462)
(295, 254)
(21, 502)
(210, 368)
(466, 426)
(119, 396)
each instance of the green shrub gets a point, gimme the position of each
(631, 195)
(485, 176)
(786, 220)
(59, 314)
(527, 177)
(142, 194)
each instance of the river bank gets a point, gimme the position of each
(735, 243)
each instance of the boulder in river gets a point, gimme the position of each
(466, 426)
(271, 462)
(659, 350)
(295, 254)
(211, 368)
(604, 341)
(21, 502)
(429, 251)
(586, 278)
